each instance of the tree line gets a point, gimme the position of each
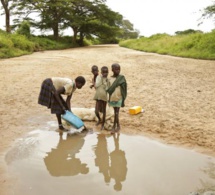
(86, 18)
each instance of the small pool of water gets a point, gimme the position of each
(50, 162)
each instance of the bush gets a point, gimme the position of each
(21, 42)
(5, 42)
(12, 45)
(24, 29)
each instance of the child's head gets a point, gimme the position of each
(95, 70)
(104, 71)
(80, 82)
(115, 69)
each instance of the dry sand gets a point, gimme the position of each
(177, 94)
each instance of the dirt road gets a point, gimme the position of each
(177, 95)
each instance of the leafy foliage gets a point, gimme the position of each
(128, 31)
(87, 18)
(208, 12)
(24, 29)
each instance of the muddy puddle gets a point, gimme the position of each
(49, 162)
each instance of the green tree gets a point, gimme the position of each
(128, 31)
(6, 6)
(104, 24)
(91, 18)
(87, 18)
(208, 12)
(188, 31)
(49, 12)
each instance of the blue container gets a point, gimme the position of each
(72, 119)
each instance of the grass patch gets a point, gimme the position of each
(13, 45)
(195, 45)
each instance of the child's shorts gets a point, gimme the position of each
(115, 104)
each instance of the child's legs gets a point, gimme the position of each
(97, 110)
(103, 103)
(117, 115)
(116, 124)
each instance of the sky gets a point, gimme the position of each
(163, 16)
(160, 16)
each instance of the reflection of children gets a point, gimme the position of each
(62, 160)
(51, 91)
(102, 157)
(118, 167)
(117, 92)
(95, 71)
(101, 86)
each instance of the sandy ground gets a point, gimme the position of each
(177, 94)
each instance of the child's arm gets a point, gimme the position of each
(93, 83)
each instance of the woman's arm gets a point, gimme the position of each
(68, 102)
(57, 93)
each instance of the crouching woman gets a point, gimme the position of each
(51, 93)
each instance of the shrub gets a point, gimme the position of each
(21, 42)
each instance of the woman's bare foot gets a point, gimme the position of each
(85, 128)
(61, 127)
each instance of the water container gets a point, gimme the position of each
(72, 119)
(135, 110)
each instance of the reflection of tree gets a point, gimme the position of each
(102, 157)
(61, 161)
(118, 168)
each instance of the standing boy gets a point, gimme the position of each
(101, 95)
(117, 92)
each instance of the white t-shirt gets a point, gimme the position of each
(67, 83)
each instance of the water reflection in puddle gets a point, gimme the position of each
(46, 162)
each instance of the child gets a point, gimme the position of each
(101, 86)
(95, 71)
(117, 92)
(50, 94)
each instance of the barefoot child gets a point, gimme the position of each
(51, 91)
(95, 71)
(117, 92)
(101, 87)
